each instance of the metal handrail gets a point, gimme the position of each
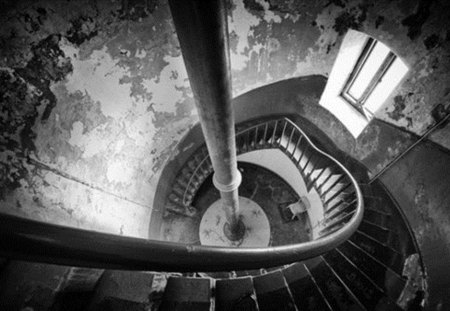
(26, 239)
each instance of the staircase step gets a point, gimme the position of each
(333, 185)
(123, 287)
(383, 202)
(117, 304)
(235, 294)
(379, 219)
(187, 294)
(28, 285)
(397, 239)
(386, 279)
(368, 293)
(374, 204)
(306, 295)
(335, 292)
(273, 293)
(179, 209)
(383, 235)
(383, 253)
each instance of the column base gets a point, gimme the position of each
(253, 227)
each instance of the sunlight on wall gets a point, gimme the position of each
(351, 49)
(391, 79)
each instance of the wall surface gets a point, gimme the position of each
(420, 183)
(95, 97)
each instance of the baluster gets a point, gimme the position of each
(335, 205)
(325, 181)
(334, 226)
(247, 141)
(290, 140)
(282, 133)
(301, 156)
(333, 185)
(337, 193)
(265, 133)
(240, 143)
(307, 162)
(342, 200)
(315, 164)
(335, 221)
(274, 131)
(297, 146)
(339, 211)
(320, 174)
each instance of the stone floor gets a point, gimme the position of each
(271, 193)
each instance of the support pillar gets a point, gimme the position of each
(203, 34)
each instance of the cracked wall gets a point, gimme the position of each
(419, 183)
(95, 97)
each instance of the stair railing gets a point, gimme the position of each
(316, 167)
(25, 239)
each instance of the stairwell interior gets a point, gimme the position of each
(100, 136)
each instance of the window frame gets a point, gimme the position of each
(358, 103)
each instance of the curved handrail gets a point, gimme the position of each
(186, 198)
(36, 241)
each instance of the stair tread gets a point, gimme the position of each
(305, 292)
(235, 294)
(368, 293)
(388, 280)
(383, 253)
(332, 287)
(272, 292)
(117, 304)
(183, 293)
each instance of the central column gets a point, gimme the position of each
(202, 30)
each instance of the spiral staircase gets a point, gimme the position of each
(360, 266)
(362, 273)
(358, 253)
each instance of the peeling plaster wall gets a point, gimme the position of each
(420, 183)
(95, 97)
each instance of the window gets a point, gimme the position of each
(368, 72)
(364, 75)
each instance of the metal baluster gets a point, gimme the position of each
(325, 181)
(314, 164)
(290, 139)
(297, 146)
(337, 193)
(274, 131)
(340, 211)
(318, 175)
(307, 162)
(302, 154)
(282, 133)
(265, 133)
(256, 136)
(333, 185)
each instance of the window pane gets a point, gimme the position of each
(387, 84)
(370, 67)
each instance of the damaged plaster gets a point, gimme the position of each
(95, 97)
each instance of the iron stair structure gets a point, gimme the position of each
(364, 272)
